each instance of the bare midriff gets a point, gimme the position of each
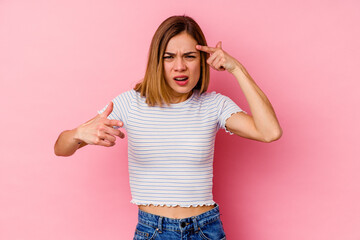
(175, 212)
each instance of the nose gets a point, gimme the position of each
(179, 64)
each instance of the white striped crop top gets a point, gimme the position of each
(171, 148)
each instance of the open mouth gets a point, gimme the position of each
(181, 78)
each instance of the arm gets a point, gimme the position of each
(67, 144)
(97, 131)
(263, 125)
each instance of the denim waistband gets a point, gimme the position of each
(183, 224)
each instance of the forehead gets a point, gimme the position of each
(182, 42)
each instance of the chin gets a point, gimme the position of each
(182, 90)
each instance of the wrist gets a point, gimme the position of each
(237, 67)
(77, 136)
(238, 70)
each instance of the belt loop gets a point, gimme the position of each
(160, 224)
(196, 227)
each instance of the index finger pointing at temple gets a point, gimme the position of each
(205, 49)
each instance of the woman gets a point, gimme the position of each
(171, 123)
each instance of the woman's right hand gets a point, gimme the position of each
(99, 130)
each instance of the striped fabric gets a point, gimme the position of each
(171, 148)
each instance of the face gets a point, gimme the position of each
(181, 65)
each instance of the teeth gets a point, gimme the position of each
(181, 79)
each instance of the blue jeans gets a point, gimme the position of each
(206, 226)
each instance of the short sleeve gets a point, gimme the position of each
(226, 107)
(122, 105)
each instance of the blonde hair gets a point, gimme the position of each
(154, 86)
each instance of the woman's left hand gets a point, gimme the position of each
(219, 59)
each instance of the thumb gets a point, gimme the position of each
(218, 45)
(108, 110)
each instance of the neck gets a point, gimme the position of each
(178, 98)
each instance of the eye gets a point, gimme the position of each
(168, 57)
(190, 56)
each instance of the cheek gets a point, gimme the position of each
(195, 69)
(167, 69)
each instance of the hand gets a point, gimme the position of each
(219, 59)
(99, 130)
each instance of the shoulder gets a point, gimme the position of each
(130, 94)
(125, 99)
(212, 96)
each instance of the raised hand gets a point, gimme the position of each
(219, 59)
(99, 130)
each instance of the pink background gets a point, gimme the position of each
(61, 61)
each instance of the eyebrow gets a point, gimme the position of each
(173, 54)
